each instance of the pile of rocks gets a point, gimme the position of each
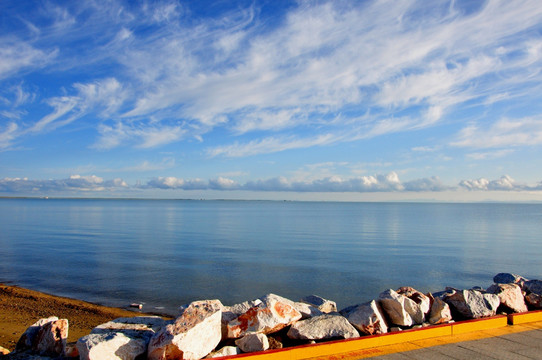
(209, 329)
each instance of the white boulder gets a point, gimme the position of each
(193, 335)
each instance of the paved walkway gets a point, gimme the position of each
(513, 342)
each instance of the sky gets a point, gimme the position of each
(271, 99)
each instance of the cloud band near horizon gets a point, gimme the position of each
(365, 184)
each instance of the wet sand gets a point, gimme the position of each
(20, 308)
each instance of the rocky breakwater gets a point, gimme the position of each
(209, 329)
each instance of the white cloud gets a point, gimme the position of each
(73, 184)
(270, 145)
(504, 183)
(502, 133)
(7, 135)
(163, 76)
(17, 55)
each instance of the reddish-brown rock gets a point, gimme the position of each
(272, 314)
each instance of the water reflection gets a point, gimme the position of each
(170, 252)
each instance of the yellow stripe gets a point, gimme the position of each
(522, 318)
(369, 346)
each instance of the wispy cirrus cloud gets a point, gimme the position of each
(502, 133)
(317, 63)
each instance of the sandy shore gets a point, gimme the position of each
(20, 308)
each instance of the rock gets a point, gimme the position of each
(534, 300)
(439, 313)
(324, 305)
(367, 318)
(51, 339)
(307, 311)
(4, 351)
(274, 343)
(110, 346)
(253, 342)
(225, 351)
(507, 278)
(28, 337)
(136, 333)
(231, 312)
(472, 304)
(321, 327)
(193, 335)
(272, 314)
(511, 297)
(422, 301)
(393, 305)
(533, 286)
(137, 326)
(45, 337)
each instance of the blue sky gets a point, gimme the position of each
(311, 100)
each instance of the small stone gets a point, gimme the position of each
(324, 305)
(225, 351)
(4, 351)
(534, 300)
(533, 286)
(307, 311)
(507, 278)
(327, 326)
(253, 342)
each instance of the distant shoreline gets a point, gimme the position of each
(420, 201)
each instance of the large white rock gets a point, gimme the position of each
(418, 307)
(194, 334)
(393, 305)
(136, 333)
(324, 305)
(253, 342)
(473, 304)
(510, 295)
(367, 318)
(110, 346)
(46, 336)
(321, 327)
(272, 314)
(439, 313)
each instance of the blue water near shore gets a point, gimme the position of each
(165, 253)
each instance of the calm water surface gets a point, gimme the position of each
(165, 253)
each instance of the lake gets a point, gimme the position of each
(165, 253)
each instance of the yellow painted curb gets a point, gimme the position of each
(463, 327)
(365, 343)
(522, 318)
